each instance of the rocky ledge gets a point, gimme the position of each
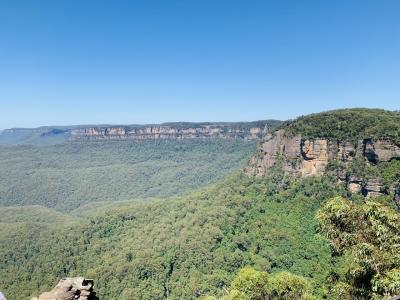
(305, 157)
(71, 289)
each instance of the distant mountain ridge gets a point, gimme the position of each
(177, 130)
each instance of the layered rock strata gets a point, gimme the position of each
(165, 132)
(311, 156)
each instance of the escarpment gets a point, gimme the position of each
(167, 132)
(300, 156)
(181, 130)
(71, 289)
(297, 155)
(175, 130)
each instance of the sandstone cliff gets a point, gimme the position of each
(305, 157)
(167, 132)
(71, 289)
(176, 130)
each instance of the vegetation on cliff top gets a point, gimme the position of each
(347, 124)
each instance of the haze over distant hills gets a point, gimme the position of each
(47, 135)
(65, 167)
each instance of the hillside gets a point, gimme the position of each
(181, 248)
(282, 234)
(69, 175)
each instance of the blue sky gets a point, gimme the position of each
(80, 62)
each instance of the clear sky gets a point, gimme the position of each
(80, 62)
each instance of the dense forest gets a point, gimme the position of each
(181, 248)
(193, 246)
(276, 236)
(68, 175)
(347, 124)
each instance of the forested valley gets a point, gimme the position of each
(68, 175)
(181, 220)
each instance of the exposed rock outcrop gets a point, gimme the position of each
(381, 150)
(354, 184)
(71, 289)
(373, 187)
(315, 154)
(311, 156)
(166, 132)
(347, 150)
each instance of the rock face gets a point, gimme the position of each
(311, 156)
(373, 188)
(354, 184)
(315, 156)
(272, 149)
(307, 157)
(167, 132)
(381, 150)
(71, 289)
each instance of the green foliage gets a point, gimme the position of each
(348, 124)
(32, 214)
(250, 284)
(359, 168)
(287, 286)
(253, 284)
(390, 172)
(367, 236)
(235, 295)
(387, 284)
(67, 176)
(180, 248)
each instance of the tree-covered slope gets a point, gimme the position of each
(180, 248)
(68, 175)
(347, 124)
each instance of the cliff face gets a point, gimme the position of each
(307, 157)
(177, 130)
(166, 132)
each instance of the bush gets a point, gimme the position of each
(286, 286)
(252, 283)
